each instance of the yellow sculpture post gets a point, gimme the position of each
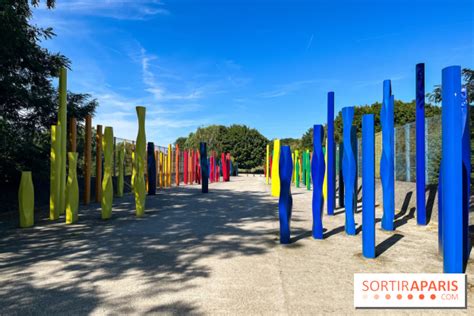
(161, 169)
(120, 175)
(140, 156)
(134, 171)
(62, 125)
(72, 189)
(276, 168)
(107, 185)
(267, 166)
(55, 172)
(325, 182)
(170, 155)
(26, 200)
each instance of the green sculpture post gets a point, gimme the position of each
(140, 154)
(107, 185)
(72, 189)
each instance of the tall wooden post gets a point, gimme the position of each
(87, 160)
(98, 164)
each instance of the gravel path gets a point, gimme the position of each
(204, 254)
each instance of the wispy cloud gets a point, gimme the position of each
(115, 9)
(310, 42)
(288, 88)
(374, 82)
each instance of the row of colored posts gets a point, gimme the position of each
(64, 191)
(454, 185)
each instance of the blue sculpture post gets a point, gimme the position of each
(420, 145)
(466, 173)
(285, 202)
(387, 159)
(317, 171)
(453, 246)
(331, 176)
(349, 169)
(341, 177)
(151, 171)
(204, 167)
(356, 155)
(368, 186)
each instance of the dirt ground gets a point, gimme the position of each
(194, 253)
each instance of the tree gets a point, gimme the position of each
(181, 141)
(212, 135)
(404, 113)
(468, 78)
(28, 99)
(247, 146)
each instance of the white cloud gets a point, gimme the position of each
(115, 9)
(287, 88)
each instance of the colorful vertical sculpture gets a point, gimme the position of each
(55, 173)
(452, 199)
(107, 185)
(341, 176)
(387, 159)
(466, 172)
(276, 168)
(161, 159)
(349, 169)
(308, 170)
(121, 172)
(151, 166)
(420, 145)
(170, 157)
(177, 165)
(297, 169)
(98, 164)
(26, 200)
(285, 202)
(185, 167)
(62, 124)
(317, 170)
(325, 182)
(368, 186)
(72, 189)
(267, 165)
(204, 167)
(87, 159)
(331, 158)
(140, 152)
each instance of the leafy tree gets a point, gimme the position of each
(468, 78)
(247, 146)
(404, 113)
(181, 142)
(28, 99)
(212, 135)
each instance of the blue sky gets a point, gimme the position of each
(266, 64)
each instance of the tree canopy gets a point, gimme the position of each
(246, 145)
(28, 98)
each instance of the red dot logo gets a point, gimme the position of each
(422, 297)
(433, 296)
(399, 296)
(410, 296)
(387, 296)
